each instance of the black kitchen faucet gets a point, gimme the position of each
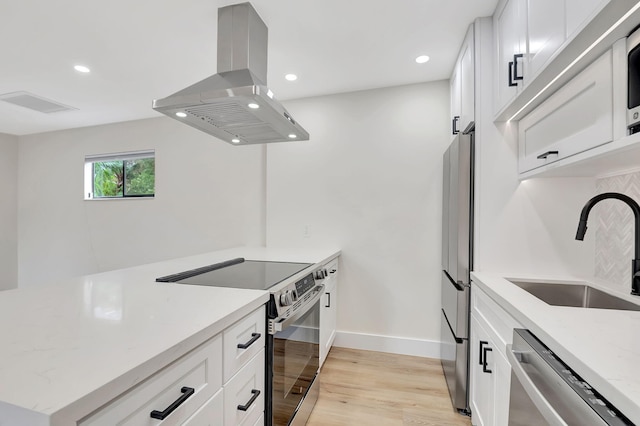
(582, 229)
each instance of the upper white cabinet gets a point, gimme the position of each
(528, 35)
(509, 24)
(576, 118)
(545, 32)
(462, 84)
(579, 12)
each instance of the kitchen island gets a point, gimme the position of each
(71, 347)
(601, 345)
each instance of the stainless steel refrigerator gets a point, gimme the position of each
(457, 261)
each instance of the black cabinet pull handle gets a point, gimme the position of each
(245, 407)
(544, 155)
(480, 353)
(484, 362)
(511, 82)
(454, 125)
(254, 337)
(513, 70)
(328, 305)
(517, 77)
(161, 415)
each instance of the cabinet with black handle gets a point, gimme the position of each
(329, 310)
(509, 25)
(489, 370)
(462, 86)
(528, 36)
(219, 383)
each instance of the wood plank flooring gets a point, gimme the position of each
(374, 388)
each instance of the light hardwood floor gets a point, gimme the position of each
(374, 388)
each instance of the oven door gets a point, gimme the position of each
(295, 363)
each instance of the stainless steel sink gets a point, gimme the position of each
(577, 295)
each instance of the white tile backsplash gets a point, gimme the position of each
(613, 224)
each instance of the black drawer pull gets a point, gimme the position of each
(482, 343)
(328, 305)
(511, 82)
(517, 77)
(161, 415)
(513, 70)
(254, 337)
(484, 363)
(454, 125)
(245, 407)
(544, 155)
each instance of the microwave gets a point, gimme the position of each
(633, 82)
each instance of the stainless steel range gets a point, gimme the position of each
(293, 328)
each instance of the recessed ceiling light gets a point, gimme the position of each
(81, 68)
(254, 106)
(291, 77)
(235, 140)
(181, 114)
(422, 59)
(293, 136)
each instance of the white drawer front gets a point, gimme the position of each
(242, 333)
(240, 390)
(200, 369)
(210, 414)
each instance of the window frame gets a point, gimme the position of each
(89, 175)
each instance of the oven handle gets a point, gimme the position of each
(281, 325)
(541, 403)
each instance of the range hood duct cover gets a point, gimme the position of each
(219, 105)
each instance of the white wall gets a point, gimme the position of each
(521, 227)
(8, 211)
(369, 181)
(209, 195)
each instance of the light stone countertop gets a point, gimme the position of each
(66, 349)
(601, 345)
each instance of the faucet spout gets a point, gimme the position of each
(582, 229)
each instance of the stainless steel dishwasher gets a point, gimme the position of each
(546, 391)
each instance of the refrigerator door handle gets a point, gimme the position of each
(456, 338)
(458, 285)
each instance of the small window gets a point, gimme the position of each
(120, 175)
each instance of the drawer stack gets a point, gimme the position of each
(220, 383)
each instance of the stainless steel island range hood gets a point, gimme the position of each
(235, 105)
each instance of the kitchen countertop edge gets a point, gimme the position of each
(566, 331)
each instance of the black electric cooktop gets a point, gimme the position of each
(238, 273)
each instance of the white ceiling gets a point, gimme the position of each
(139, 50)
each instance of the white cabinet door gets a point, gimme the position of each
(574, 119)
(462, 86)
(545, 32)
(455, 88)
(481, 382)
(501, 388)
(509, 23)
(329, 312)
(467, 81)
(580, 12)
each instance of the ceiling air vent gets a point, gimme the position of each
(36, 103)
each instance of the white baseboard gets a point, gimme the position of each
(390, 344)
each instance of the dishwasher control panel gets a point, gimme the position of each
(597, 402)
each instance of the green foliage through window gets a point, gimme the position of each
(124, 178)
